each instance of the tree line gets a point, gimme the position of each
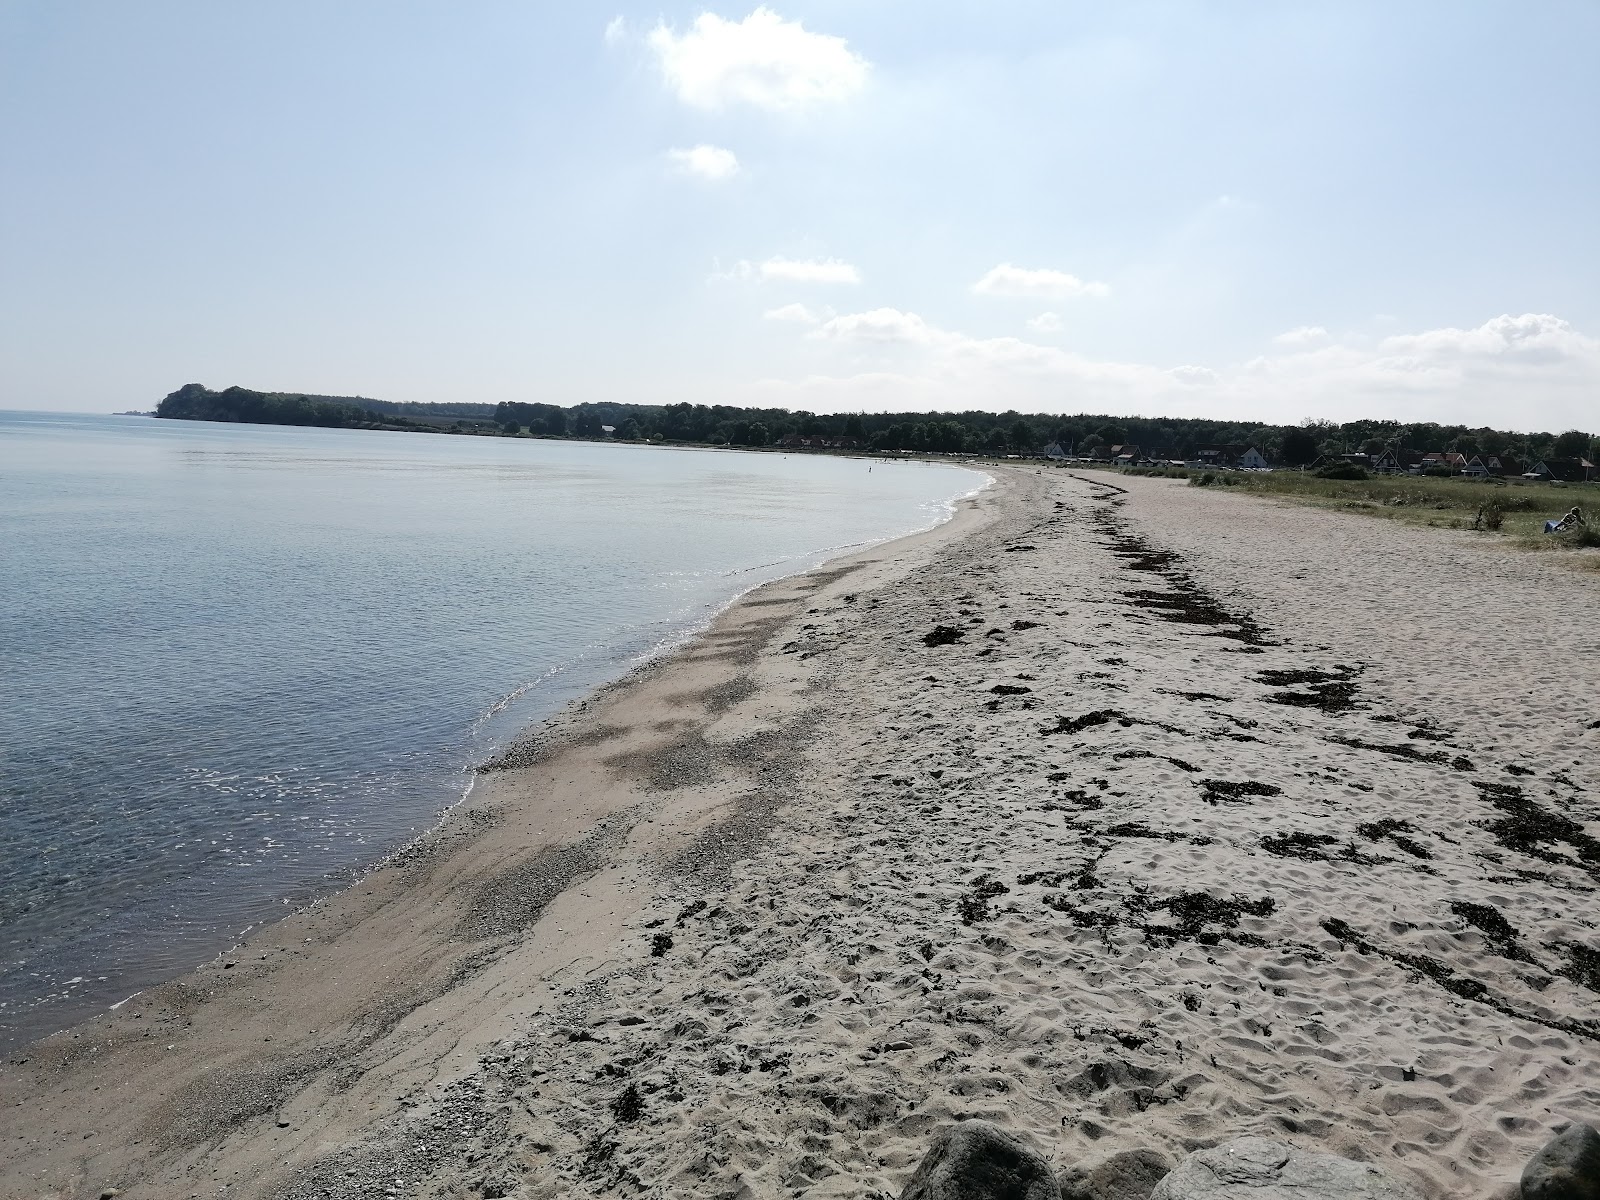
(970, 432)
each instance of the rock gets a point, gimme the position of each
(1262, 1169)
(1129, 1175)
(978, 1161)
(1567, 1167)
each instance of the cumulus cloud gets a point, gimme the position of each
(762, 60)
(1532, 335)
(1045, 322)
(793, 270)
(1305, 335)
(1528, 371)
(707, 162)
(1010, 280)
(797, 313)
(881, 325)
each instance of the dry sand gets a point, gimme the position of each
(1209, 817)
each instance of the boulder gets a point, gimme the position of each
(1567, 1167)
(1128, 1175)
(979, 1161)
(1259, 1168)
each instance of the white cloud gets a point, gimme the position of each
(1532, 335)
(1305, 335)
(792, 270)
(762, 60)
(1528, 371)
(708, 162)
(798, 313)
(1009, 280)
(616, 29)
(1045, 322)
(880, 325)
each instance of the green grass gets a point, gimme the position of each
(1422, 500)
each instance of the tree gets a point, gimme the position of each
(587, 423)
(1571, 444)
(1372, 447)
(629, 429)
(1022, 439)
(997, 440)
(852, 426)
(1299, 447)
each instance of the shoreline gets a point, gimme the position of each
(1123, 819)
(346, 913)
(614, 661)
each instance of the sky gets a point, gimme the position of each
(1248, 211)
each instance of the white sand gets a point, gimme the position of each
(809, 802)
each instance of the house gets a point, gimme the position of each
(1564, 470)
(1054, 451)
(1393, 461)
(1441, 460)
(1124, 455)
(1247, 458)
(1493, 466)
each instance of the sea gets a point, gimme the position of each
(240, 664)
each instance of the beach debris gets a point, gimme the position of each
(1213, 790)
(629, 1105)
(1272, 1170)
(1126, 1175)
(1193, 911)
(943, 635)
(1088, 720)
(1528, 828)
(660, 944)
(1498, 932)
(975, 1160)
(1010, 689)
(1567, 1167)
(1395, 830)
(974, 905)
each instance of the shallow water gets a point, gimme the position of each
(239, 663)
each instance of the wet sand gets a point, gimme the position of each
(1121, 818)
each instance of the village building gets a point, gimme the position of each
(1246, 458)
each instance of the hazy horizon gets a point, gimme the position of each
(1237, 212)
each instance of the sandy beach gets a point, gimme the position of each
(1113, 811)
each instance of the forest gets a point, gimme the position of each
(970, 432)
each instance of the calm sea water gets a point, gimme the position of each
(239, 663)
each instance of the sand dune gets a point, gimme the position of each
(1121, 818)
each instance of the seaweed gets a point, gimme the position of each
(1102, 716)
(1410, 753)
(1193, 912)
(974, 905)
(943, 635)
(1498, 932)
(1213, 790)
(1297, 845)
(1528, 828)
(1395, 830)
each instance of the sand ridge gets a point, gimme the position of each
(1061, 817)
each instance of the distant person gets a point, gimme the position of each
(1573, 520)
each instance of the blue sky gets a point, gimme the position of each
(1265, 211)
